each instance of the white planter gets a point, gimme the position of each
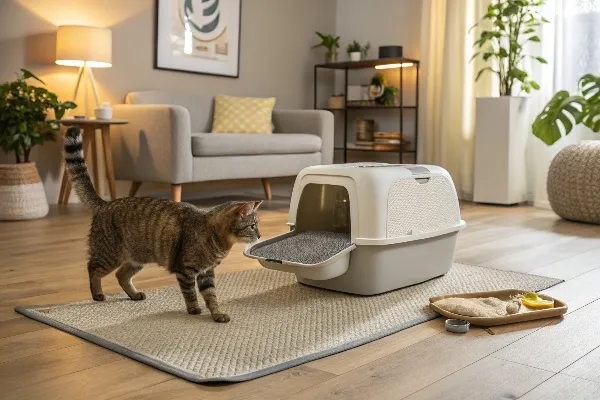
(355, 56)
(501, 130)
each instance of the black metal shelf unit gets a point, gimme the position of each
(350, 65)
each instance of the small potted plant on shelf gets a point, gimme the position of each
(356, 51)
(380, 92)
(388, 98)
(24, 123)
(331, 43)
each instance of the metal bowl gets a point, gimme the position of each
(457, 326)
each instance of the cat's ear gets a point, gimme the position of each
(257, 204)
(245, 209)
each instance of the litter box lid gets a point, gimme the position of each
(389, 203)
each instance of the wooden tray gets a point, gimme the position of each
(560, 308)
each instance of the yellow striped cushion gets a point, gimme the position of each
(242, 114)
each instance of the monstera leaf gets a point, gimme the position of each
(590, 88)
(565, 110)
(561, 111)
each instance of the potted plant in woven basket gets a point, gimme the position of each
(24, 123)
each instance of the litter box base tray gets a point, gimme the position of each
(560, 308)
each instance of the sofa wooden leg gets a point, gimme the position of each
(135, 186)
(176, 193)
(267, 187)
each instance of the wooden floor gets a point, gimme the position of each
(43, 262)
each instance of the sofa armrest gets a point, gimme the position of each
(317, 122)
(156, 144)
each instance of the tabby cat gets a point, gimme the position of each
(130, 232)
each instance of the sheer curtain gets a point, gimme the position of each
(571, 44)
(449, 90)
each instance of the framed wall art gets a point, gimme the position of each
(199, 36)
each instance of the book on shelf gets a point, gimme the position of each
(376, 146)
(361, 143)
(387, 141)
(386, 147)
(405, 142)
(387, 135)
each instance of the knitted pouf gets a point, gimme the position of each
(574, 182)
(22, 194)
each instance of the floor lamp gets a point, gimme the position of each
(85, 47)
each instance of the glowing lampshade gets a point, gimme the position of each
(79, 45)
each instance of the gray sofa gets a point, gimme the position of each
(167, 141)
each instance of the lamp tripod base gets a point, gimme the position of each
(87, 71)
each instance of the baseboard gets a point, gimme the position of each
(543, 204)
(530, 198)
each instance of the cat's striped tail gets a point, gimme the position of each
(78, 171)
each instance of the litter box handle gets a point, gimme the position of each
(274, 261)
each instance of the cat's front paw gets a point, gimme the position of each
(220, 317)
(194, 310)
(139, 296)
(99, 297)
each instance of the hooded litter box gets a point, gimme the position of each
(367, 228)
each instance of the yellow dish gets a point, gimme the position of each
(532, 300)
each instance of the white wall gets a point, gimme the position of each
(276, 56)
(380, 22)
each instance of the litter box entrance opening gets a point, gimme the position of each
(324, 207)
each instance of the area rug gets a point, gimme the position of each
(276, 323)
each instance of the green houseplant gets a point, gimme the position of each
(331, 43)
(380, 91)
(505, 30)
(512, 24)
(24, 123)
(356, 51)
(566, 110)
(572, 174)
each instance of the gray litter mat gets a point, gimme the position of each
(309, 247)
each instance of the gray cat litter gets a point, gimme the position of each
(310, 247)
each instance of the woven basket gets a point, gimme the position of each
(574, 182)
(22, 194)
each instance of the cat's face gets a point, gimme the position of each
(244, 228)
